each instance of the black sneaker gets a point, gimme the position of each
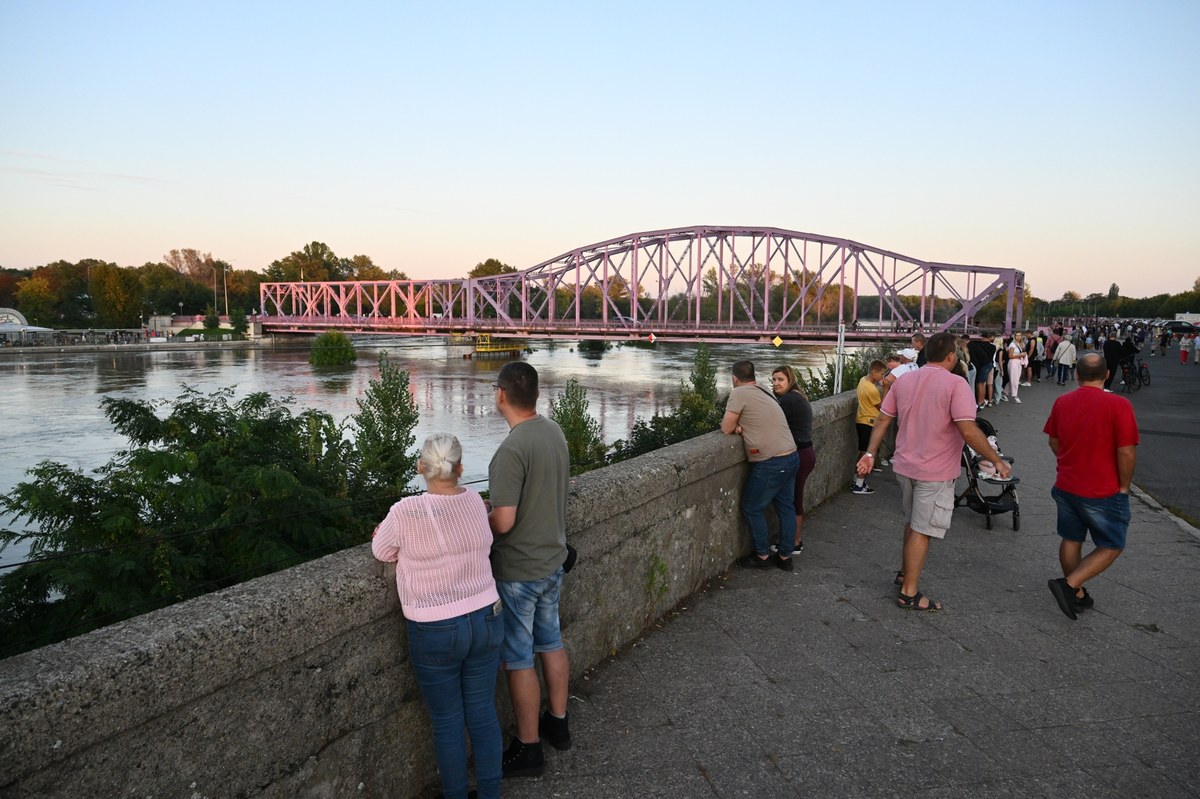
(555, 730)
(783, 563)
(1084, 602)
(1064, 595)
(754, 562)
(523, 760)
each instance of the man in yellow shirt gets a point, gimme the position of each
(870, 397)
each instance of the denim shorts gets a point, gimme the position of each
(1106, 518)
(530, 619)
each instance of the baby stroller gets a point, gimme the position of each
(980, 475)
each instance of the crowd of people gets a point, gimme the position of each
(916, 410)
(479, 581)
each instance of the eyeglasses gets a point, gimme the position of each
(497, 385)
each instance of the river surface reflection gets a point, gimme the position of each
(50, 402)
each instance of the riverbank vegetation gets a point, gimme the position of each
(212, 491)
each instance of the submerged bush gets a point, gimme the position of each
(332, 348)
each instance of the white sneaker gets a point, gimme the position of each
(1026, 385)
(1017, 400)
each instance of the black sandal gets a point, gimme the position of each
(914, 602)
(899, 579)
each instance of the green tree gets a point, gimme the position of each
(117, 296)
(697, 412)
(584, 443)
(212, 322)
(237, 320)
(212, 492)
(316, 262)
(332, 348)
(163, 288)
(1114, 291)
(36, 300)
(490, 267)
(383, 434)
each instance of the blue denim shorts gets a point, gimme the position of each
(1106, 518)
(530, 619)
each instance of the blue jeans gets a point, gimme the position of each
(1065, 372)
(530, 619)
(771, 482)
(455, 662)
(1106, 518)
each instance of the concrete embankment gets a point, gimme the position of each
(296, 684)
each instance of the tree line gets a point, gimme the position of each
(95, 293)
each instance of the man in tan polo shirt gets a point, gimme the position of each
(755, 415)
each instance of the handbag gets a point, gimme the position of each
(569, 562)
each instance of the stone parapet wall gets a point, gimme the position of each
(295, 684)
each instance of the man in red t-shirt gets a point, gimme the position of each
(1094, 434)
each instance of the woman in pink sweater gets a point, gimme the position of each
(440, 542)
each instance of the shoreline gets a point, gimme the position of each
(59, 349)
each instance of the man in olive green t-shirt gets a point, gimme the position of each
(528, 480)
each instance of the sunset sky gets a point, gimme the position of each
(1060, 138)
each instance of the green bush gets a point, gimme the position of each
(332, 348)
(584, 443)
(819, 383)
(697, 412)
(214, 492)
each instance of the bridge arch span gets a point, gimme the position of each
(691, 283)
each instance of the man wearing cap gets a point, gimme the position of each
(1094, 436)
(937, 414)
(907, 358)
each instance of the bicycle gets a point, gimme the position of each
(1131, 378)
(1143, 372)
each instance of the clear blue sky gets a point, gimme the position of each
(1057, 138)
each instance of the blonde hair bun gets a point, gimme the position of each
(441, 454)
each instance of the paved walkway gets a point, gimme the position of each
(814, 684)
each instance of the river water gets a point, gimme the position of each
(50, 401)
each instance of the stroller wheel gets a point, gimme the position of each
(1016, 520)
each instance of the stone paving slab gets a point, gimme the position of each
(770, 684)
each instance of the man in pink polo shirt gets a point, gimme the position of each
(936, 413)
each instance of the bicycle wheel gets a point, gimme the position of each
(1144, 374)
(1135, 380)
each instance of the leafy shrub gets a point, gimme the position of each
(215, 492)
(697, 412)
(584, 442)
(332, 348)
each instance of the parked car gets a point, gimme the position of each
(1177, 328)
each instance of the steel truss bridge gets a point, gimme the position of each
(714, 284)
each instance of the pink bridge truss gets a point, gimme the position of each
(715, 284)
